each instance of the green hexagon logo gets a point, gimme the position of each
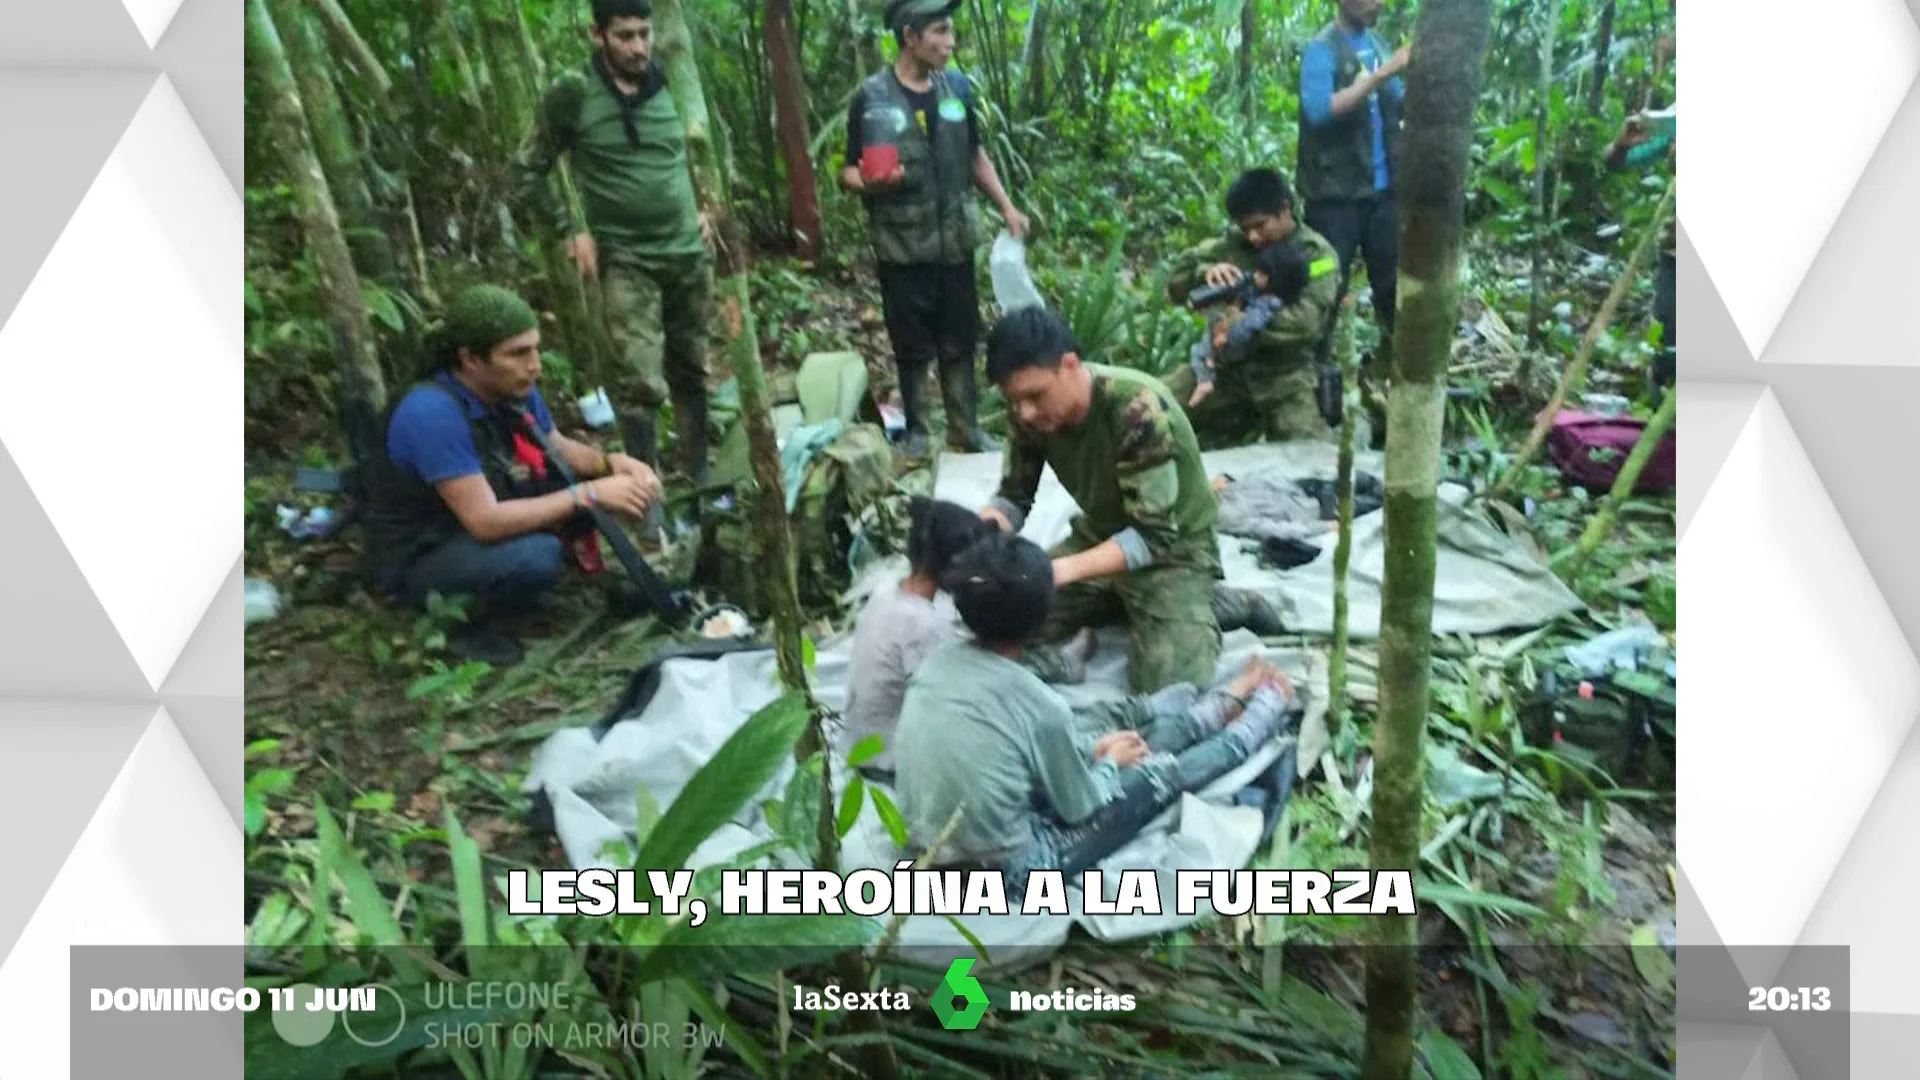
(956, 986)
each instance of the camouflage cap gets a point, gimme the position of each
(900, 12)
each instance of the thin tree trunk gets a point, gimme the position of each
(1443, 84)
(1541, 153)
(1035, 60)
(1338, 706)
(363, 389)
(866, 43)
(1248, 29)
(790, 103)
(456, 48)
(333, 142)
(1576, 371)
(358, 52)
(1603, 46)
(416, 250)
(1601, 523)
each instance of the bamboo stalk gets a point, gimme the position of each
(359, 53)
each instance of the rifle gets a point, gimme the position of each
(1330, 392)
(652, 593)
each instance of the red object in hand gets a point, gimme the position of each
(1586, 691)
(879, 162)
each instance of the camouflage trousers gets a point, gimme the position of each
(1168, 612)
(658, 311)
(1254, 404)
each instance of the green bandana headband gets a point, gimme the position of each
(481, 317)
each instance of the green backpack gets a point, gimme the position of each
(847, 511)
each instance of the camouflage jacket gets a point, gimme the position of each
(1132, 464)
(1289, 339)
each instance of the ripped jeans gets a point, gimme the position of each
(1192, 746)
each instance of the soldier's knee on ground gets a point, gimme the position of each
(1164, 652)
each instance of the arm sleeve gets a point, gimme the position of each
(430, 439)
(1189, 265)
(1148, 474)
(1020, 471)
(1316, 84)
(1259, 313)
(1073, 783)
(1648, 152)
(552, 135)
(856, 138)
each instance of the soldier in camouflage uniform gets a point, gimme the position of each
(644, 237)
(1143, 550)
(1266, 391)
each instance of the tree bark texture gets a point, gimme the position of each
(790, 106)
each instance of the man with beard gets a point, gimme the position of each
(644, 236)
(914, 157)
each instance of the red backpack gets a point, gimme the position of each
(1590, 450)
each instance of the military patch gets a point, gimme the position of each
(1321, 267)
(953, 110)
(1143, 423)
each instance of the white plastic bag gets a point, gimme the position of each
(1012, 285)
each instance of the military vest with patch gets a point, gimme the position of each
(1336, 158)
(930, 217)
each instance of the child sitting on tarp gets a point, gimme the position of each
(1035, 783)
(1278, 277)
(901, 625)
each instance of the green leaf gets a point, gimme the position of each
(266, 746)
(1655, 965)
(381, 306)
(370, 911)
(850, 801)
(866, 750)
(743, 765)
(1445, 1059)
(1439, 893)
(469, 884)
(254, 813)
(747, 946)
(380, 801)
(270, 781)
(891, 818)
(806, 653)
(646, 814)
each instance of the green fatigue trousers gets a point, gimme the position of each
(1255, 405)
(1168, 611)
(658, 312)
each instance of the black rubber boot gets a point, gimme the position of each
(913, 383)
(962, 397)
(690, 429)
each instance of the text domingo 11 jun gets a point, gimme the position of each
(908, 891)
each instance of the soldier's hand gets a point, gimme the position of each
(585, 254)
(1017, 223)
(995, 518)
(626, 493)
(1222, 273)
(1396, 63)
(880, 185)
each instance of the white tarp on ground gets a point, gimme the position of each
(700, 703)
(1485, 580)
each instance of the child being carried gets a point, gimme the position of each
(1279, 276)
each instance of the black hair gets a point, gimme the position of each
(1027, 337)
(1258, 191)
(918, 24)
(938, 531)
(605, 11)
(1003, 587)
(1286, 270)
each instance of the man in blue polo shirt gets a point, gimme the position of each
(465, 501)
(1350, 97)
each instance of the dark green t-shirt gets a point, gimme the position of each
(639, 196)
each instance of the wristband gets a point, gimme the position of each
(574, 490)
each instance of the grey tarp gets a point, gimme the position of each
(1485, 581)
(701, 702)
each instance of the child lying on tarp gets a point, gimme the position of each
(1037, 785)
(901, 625)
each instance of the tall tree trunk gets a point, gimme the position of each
(1248, 31)
(1543, 108)
(363, 391)
(333, 142)
(450, 41)
(1338, 705)
(1443, 83)
(359, 54)
(1034, 63)
(790, 104)
(1603, 45)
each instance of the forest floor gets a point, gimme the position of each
(350, 700)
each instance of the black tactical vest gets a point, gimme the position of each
(930, 217)
(1336, 159)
